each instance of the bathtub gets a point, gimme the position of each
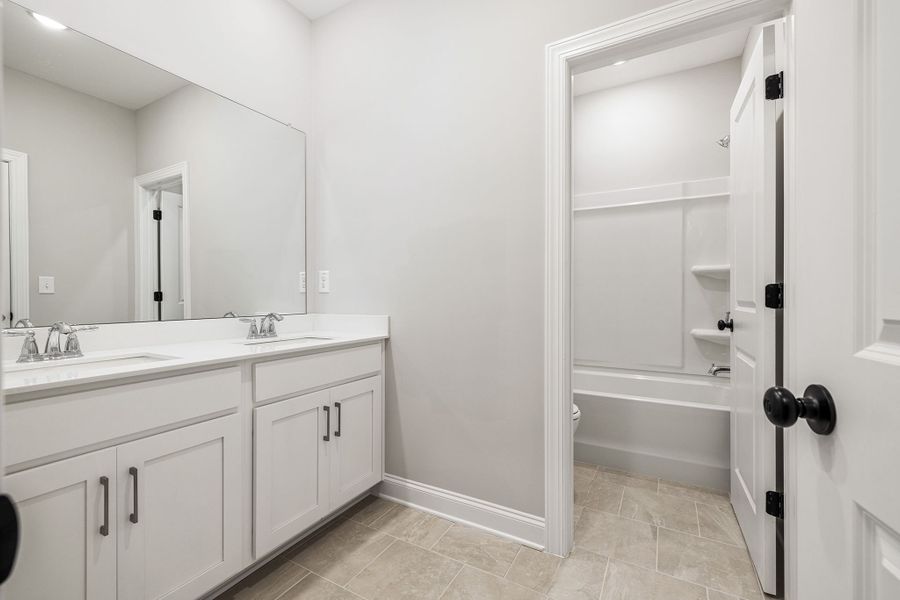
(665, 425)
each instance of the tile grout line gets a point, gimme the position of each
(296, 583)
(605, 575)
(460, 570)
(438, 541)
(697, 513)
(509, 568)
(369, 564)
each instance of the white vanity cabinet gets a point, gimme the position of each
(356, 436)
(86, 533)
(291, 467)
(63, 553)
(314, 452)
(179, 511)
(166, 487)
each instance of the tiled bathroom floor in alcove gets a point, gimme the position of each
(636, 538)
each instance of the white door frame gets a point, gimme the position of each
(145, 187)
(667, 26)
(18, 232)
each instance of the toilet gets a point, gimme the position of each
(576, 416)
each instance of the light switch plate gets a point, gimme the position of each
(303, 282)
(46, 284)
(324, 282)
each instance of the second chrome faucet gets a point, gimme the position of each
(266, 327)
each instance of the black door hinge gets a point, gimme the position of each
(775, 504)
(775, 86)
(157, 215)
(775, 295)
(157, 296)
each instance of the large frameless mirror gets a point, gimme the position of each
(131, 194)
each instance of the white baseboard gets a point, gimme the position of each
(499, 520)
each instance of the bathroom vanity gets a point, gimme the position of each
(164, 470)
(171, 417)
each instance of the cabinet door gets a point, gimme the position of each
(357, 432)
(291, 468)
(63, 552)
(179, 511)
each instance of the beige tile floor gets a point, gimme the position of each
(636, 538)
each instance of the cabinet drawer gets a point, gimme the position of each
(295, 375)
(59, 424)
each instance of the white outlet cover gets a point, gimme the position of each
(302, 281)
(46, 284)
(324, 282)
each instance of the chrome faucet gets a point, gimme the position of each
(29, 352)
(254, 330)
(52, 350)
(267, 325)
(23, 323)
(714, 370)
(266, 328)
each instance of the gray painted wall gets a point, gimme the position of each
(81, 160)
(247, 199)
(429, 185)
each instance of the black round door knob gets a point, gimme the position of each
(816, 406)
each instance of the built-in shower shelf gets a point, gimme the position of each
(712, 335)
(712, 271)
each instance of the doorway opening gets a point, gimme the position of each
(14, 294)
(162, 245)
(664, 199)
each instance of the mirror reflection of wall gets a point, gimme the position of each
(133, 194)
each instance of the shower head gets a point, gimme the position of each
(725, 141)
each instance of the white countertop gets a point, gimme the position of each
(147, 360)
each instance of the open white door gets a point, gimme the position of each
(753, 348)
(843, 489)
(5, 297)
(170, 255)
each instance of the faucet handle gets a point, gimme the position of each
(267, 324)
(84, 328)
(23, 323)
(19, 332)
(254, 330)
(29, 352)
(73, 345)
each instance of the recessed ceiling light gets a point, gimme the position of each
(48, 22)
(619, 63)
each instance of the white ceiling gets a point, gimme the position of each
(313, 9)
(81, 63)
(680, 58)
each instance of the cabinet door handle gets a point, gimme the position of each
(327, 436)
(133, 517)
(337, 432)
(104, 529)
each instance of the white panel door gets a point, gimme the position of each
(171, 252)
(64, 554)
(753, 356)
(357, 430)
(291, 468)
(843, 522)
(5, 249)
(180, 511)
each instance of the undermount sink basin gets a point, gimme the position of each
(285, 339)
(85, 364)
